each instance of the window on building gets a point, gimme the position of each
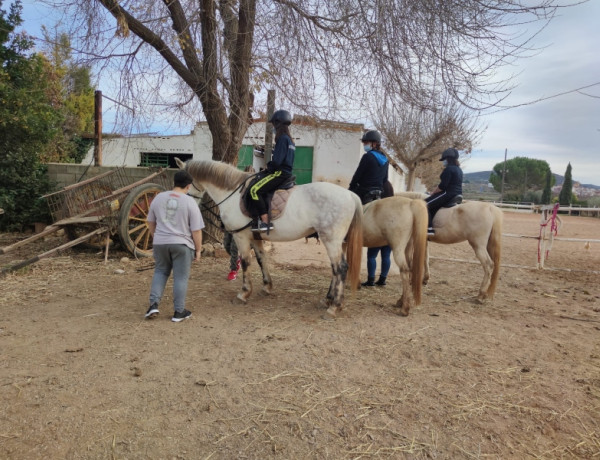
(163, 160)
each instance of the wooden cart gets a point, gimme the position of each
(96, 210)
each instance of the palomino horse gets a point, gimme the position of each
(480, 224)
(402, 224)
(332, 211)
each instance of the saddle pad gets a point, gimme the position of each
(277, 206)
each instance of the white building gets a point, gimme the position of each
(325, 151)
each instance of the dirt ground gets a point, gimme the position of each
(84, 376)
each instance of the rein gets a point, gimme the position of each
(210, 208)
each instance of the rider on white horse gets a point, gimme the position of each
(450, 185)
(279, 169)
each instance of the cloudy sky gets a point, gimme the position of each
(560, 129)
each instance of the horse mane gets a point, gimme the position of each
(219, 174)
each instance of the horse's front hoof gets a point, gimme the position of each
(332, 311)
(481, 299)
(240, 299)
(266, 290)
(328, 316)
(403, 312)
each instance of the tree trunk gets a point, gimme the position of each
(410, 179)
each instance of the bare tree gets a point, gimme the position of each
(416, 136)
(324, 57)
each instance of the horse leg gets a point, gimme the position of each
(406, 301)
(244, 251)
(339, 268)
(426, 273)
(262, 259)
(488, 266)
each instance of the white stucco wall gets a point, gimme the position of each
(337, 149)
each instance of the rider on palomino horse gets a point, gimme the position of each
(450, 185)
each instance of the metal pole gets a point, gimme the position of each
(268, 130)
(98, 128)
(503, 175)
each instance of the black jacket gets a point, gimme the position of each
(451, 180)
(282, 158)
(371, 173)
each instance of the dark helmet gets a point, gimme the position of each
(449, 153)
(371, 136)
(282, 117)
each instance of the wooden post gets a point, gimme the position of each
(98, 128)
(503, 174)
(268, 127)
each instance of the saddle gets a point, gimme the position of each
(277, 199)
(454, 201)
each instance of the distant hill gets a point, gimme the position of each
(484, 176)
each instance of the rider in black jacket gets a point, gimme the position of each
(450, 185)
(372, 171)
(278, 171)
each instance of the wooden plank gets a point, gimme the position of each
(79, 220)
(47, 231)
(24, 263)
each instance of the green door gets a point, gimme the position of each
(303, 164)
(245, 156)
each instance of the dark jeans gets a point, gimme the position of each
(264, 185)
(232, 250)
(372, 261)
(435, 202)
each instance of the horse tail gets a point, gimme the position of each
(419, 239)
(494, 248)
(354, 242)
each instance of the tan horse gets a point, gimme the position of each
(480, 224)
(402, 224)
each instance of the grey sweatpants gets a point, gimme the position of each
(178, 259)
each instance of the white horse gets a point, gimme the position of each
(332, 211)
(480, 224)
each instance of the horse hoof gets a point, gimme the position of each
(265, 292)
(331, 311)
(480, 300)
(327, 317)
(239, 299)
(403, 312)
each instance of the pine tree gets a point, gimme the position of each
(547, 193)
(566, 193)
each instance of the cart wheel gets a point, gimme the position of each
(133, 228)
(75, 231)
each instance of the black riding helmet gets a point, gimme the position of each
(281, 117)
(371, 136)
(449, 153)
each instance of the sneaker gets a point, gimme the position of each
(180, 316)
(232, 275)
(260, 226)
(152, 311)
(430, 231)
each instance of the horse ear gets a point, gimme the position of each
(180, 164)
